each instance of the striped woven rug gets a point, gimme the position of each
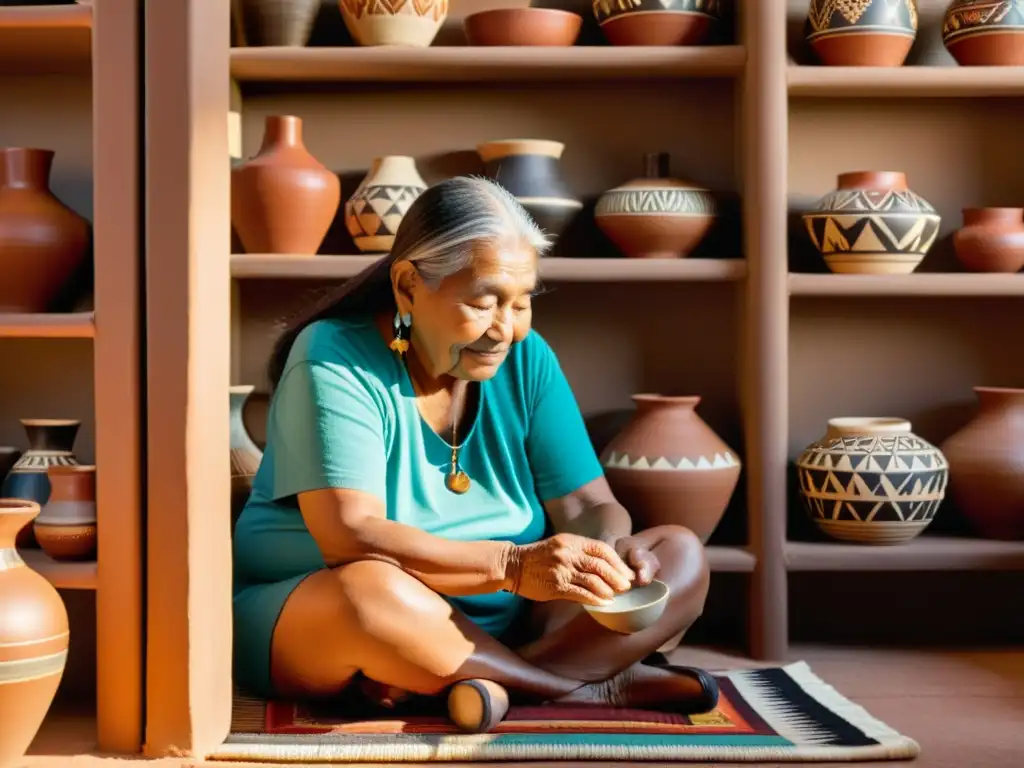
(780, 714)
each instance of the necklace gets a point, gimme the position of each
(457, 481)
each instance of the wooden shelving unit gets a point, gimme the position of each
(904, 82)
(921, 284)
(925, 553)
(63, 575)
(71, 325)
(45, 39)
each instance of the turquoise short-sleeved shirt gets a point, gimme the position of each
(344, 416)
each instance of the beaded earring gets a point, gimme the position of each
(402, 323)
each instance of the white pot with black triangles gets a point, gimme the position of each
(381, 200)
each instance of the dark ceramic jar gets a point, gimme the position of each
(869, 33)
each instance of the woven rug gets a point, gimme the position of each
(776, 714)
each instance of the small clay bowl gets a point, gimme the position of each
(523, 26)
(634, 610)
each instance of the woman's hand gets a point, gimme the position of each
(636, 554)
(569, 567)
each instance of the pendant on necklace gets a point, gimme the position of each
(457, 482)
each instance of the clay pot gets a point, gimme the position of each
(868, 33)
(872, 224)
(42, 241)
(245, 454)
(667, 467)
(33, 639)
(523, 26)
(991, 240)
(283, 200)
(409, 23)
(657, 22)
(278, 22)
(530, 170)
(66, 528)
(872, 480)
(985, 460)
(380, 202)
(656, 216)
(982, 33)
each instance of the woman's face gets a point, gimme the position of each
(466, 326)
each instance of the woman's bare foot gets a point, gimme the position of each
(644, 687)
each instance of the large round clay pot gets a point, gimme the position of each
(872, 480)
(985, 460)
(283, 200)
(657, 22)
(530, 170)
(668, 467)
(33, 639)
(873, 225)
(66, 528)
(656, 216)
(245, 454)
(522, 26)
(408, 23)
(42, 241)
(991, 240)
(984, 33)
(863, 33)
(278, 22)
(380, 202)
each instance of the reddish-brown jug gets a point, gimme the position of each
(991, 239)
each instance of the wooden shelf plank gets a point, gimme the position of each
(277, 266)
(730, 559)
(889, 82)
(919, 284)
(925, 553)
(72, 325)
(63, 575)
(45, 39)
(488, 64)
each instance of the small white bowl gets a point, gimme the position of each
(632, 611)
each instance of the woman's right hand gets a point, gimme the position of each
(569, 567)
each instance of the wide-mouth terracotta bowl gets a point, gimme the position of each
(632, 611)
(523, 26)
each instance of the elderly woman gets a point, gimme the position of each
(430, 509)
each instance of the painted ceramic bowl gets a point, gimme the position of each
(523, 26)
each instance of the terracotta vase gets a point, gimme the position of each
(667, 466)
(656, 216)
(865, 33)
(381, 200)
(985, 460)
(872, 480)
(530, 169)
(278, 22)
(66, 528)
(245, 454)
(872, 224)
(283, 200)
(42, 241)
(984, 33)
(657, 22)
(33, 639)
(51, 443)
(408, 23)
(991, 240)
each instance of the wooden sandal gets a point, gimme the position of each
(477, 706)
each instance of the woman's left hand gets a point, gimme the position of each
(638, 557)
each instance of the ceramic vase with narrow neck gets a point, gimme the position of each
(406, 23)
(991, 240)
(283, 200)
(985, 33)
(865, 33)
(872, 224)
(278, 22)
(245, 454)
(666, 453)
(66, 528)
(657, 22)
(33, 639)
(531, 170)
(380, 202)
(42, 242)
(872, 480)
(985, 460)
(656, 217)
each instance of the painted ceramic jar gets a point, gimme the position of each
(656, 216)
(33, 639)
(245, 454)
(283, 200)
(42, 241)
(278, 22)
(985, 32)
(657, 22)
(985, 460)
(872, 480)
(530, 169)
(381, 200)
(66, 528)
(408, 23)
(862, 33)
(991, 240)
(666, 453)
(872, 224)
